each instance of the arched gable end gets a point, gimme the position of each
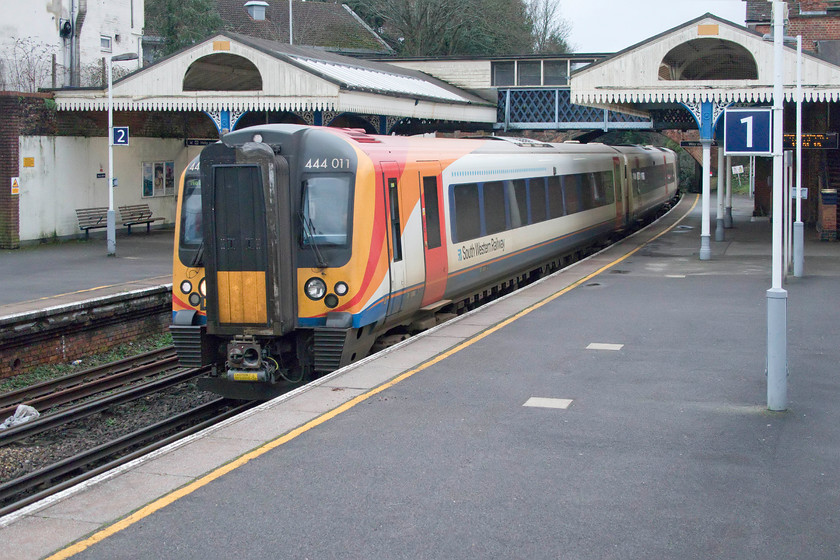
(222, 72)
(708, 59)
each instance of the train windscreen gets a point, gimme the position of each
(189, 248)
(326, 210)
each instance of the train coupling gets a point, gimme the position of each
(245, 361)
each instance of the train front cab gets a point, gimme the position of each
(249, 259)
(285, 293)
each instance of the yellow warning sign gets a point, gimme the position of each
(29, 162)
(15, 185)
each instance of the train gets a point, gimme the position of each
(300, 249)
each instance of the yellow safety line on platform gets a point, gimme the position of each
(161, 503)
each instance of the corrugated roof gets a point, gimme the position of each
(387, 82)
(363, 75)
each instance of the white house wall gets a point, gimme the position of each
(112, 18)
(64, 178)
(40, 20)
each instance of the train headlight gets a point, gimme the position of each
(331, 301)
(195, 300)
(186, 286)
(202, 287)
(315, 288)
(341, 289)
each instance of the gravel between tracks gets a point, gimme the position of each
(47, 448)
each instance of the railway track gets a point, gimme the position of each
(76, 386)
(75, 398)
(32, 487)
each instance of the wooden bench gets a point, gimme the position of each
(133, 214)
(92, 218)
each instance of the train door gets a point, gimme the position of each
(241, 241)
(396, 221)
(621, 180)
(434, 250)
(249, 273)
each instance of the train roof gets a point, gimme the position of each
(277, 134)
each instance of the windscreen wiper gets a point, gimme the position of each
(198, 258)
(309, 231)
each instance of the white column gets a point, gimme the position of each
(111, 227)
(776, 295)
(721, 190)
(788, 252)
(727, 215)
(705, 249)
(798, 226)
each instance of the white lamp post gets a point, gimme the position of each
(111, 220)
(776, 295)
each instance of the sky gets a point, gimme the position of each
(612, 25)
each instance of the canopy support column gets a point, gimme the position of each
(721, 193)
(706, 113)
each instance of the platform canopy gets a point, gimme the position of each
(232, 72)
(708, 59)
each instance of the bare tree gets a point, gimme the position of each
(550, 30)
(95, 73)
(27, 65)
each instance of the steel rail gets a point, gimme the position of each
(65, 467)
(107, 383)
(35, 394)
(89, 408)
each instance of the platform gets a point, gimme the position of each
(48, 275)
(616, 409)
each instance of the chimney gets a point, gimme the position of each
(256, 9)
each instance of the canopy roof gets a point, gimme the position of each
(706, 59)
(236, 72)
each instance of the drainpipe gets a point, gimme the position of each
(76, 70)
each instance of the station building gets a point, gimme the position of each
(58, 146)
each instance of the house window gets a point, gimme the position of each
(529, 73)
(503, 73)
(158, 178)
(555, 73)
(104, 43)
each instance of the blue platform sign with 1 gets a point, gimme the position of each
(748, 132)
(120, 136)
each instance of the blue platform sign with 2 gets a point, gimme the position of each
(120, 136)
(748, 132)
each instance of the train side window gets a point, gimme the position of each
(571, 196)
(396, 236)
(556, 208)
(467, 213)
(494, 207)
(606, 185)
(537, 198)
(518, 203)
(430, 201)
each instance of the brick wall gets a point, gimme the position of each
(66, 334)
(9, 161)
(44, 121)
(811, 27)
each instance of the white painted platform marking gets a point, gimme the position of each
(675, 276)
(543, 402)
(604, 346)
